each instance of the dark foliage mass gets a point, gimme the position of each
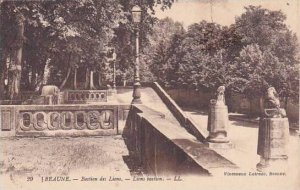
(254, 53)
(66, 43)
(47, 42)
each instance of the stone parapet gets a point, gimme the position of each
(162, 148)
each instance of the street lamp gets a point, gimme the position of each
(136, 17)
(114, 57)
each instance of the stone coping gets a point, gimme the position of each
(180, 115)
(68, 105)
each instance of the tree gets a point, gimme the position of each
(254, 53)
(195, 55)
(157, 54)
(275, 46)
(75, 33)
(13, 47)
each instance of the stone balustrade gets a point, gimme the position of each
(84, 96)
(62, 120)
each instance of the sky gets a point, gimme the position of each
(225, 11)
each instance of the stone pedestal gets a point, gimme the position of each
(217, 123)
(50, 94)
(272, 144)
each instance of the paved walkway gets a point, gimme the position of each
(244, 136)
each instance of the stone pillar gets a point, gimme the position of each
(273, 135)
(272, 144)
(217, 122)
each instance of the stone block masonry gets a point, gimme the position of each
(162, 148)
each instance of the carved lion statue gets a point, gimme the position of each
(272, 98)
(272, 102)
(221, 95)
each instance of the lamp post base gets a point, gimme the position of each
(136, 101)
(136, 94)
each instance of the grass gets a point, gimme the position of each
(60, 156)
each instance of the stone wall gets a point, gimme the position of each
(238, 103)
(160, 148)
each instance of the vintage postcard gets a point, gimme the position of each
(149, 94)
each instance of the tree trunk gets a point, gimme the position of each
(3, 70)
(87, 77)
(124, 80)
(25, 77)
(45, 72)
(92, 86)
(16, 68)
(286, 99)
(99, 80)
(40, 79)
(68, 74)
(75, 79)
(33, 78)
(66, 79)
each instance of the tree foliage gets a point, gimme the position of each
(62, 37)
(69, 35)
(254, 53)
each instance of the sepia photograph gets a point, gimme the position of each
(149, 94)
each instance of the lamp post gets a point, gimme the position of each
(136, 17)
(114, 57)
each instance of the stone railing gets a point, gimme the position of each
(183, 119)
(62, 120)
(160, 148)
(84, 96)
(25, 95)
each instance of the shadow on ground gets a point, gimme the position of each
(194, 111)
(244, 124)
